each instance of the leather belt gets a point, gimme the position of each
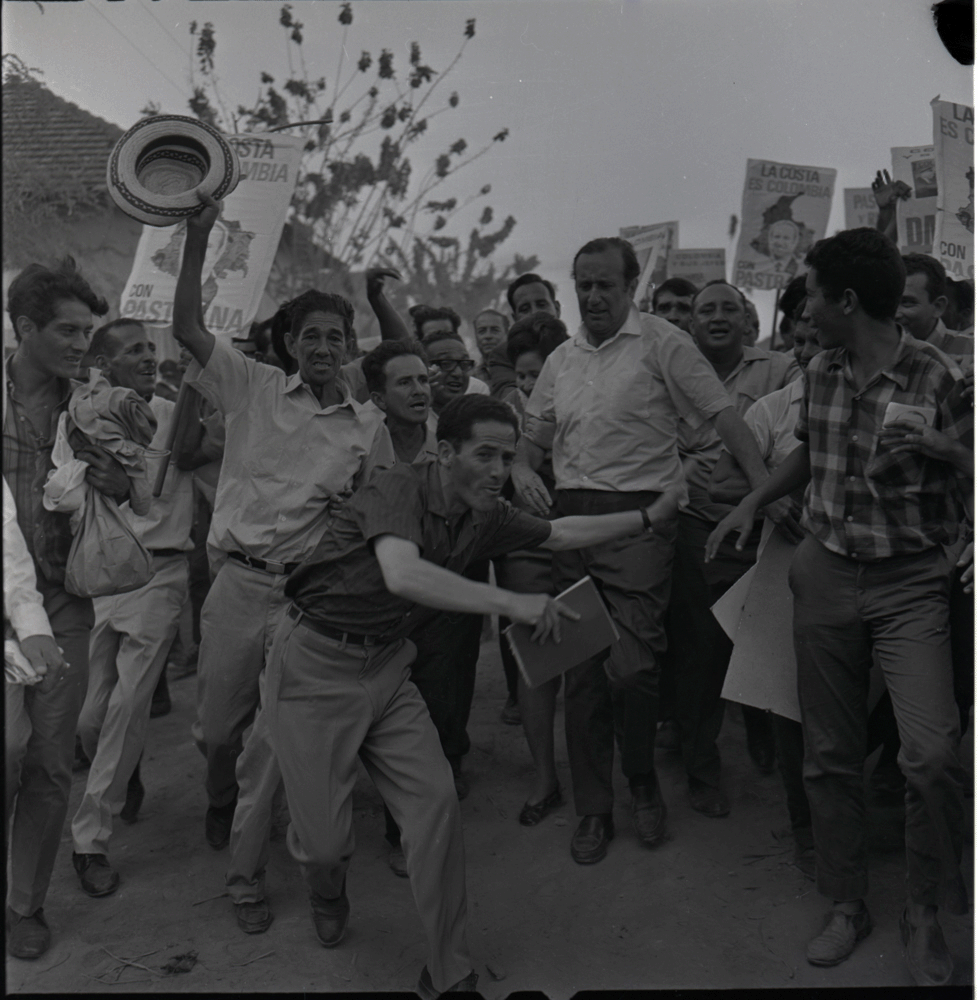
(167, 552)
(280, 569)
(347, 638)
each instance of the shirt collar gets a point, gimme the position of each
(294, 381)
(896, 371)
(631, 327)
(748, 355)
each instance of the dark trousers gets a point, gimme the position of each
(699, 650)
(444, 673)
(616, 695)
(844, 612)
(39, 757)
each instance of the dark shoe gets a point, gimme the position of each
(461, 781)
(667, 737)
(397, 861)
(96, 875)
(81, 762)
(330, 917)
(591, 838)
(762, 754)
(427, 990)
(253, 918)
(708, 800)
(531, 814)
(135, 793)
(843, 931)
(511, 713)
(926, 953)
(649, 814)
(217, 824)
(27, 937)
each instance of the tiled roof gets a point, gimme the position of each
(55, 136)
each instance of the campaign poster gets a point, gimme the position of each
(954, 144)
(785, 209)
(652, 245)
(916, 215)
(861, 208)
(698, 266)
(242, 245)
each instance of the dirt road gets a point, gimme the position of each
(719, 905)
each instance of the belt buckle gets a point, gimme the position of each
(274, 567)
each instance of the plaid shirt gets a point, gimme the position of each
(26, 464)
(864, 501)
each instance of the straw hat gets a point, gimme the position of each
(156, 167)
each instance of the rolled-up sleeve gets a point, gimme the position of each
(539, 419)
(694, 388)
(512, 530)
(227, 378)
(22, 603)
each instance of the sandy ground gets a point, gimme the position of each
(718, 905)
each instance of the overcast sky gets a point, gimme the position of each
(619, 113)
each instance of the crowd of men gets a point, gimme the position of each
(341, 523)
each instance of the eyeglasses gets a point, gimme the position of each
(451, 364)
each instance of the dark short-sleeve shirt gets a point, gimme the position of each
(341, 585)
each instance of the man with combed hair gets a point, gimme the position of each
(51, 311)
(872, 579)
(923, 304)
(294, 444)
(490, 328)
(339, 687)
(133, 631)
(608, 402)
(673, 301)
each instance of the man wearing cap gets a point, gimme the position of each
(339, 687)
(293, 444)
(608, 402)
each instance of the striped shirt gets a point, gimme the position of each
(26, 464)
(864, 501)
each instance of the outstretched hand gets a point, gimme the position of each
(375, 279)
(542, 611)
(887, 191)
(740, 519)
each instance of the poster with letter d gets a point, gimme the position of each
(785, 209)
(242, 244)
(954, 146)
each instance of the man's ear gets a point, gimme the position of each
(290, 346)
(940, 304)
(24, 325)
(850, 301)
(557, 307)
(446, 453)
(632, 288)
(380, 401)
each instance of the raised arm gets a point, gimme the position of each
(738, 440)
(188, 314)
(794, 472)
(728, 484)
(409, 576)
(392, 327)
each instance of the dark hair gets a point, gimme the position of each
(529, 279)
(103, 341)
(279, 325)
(440, 335)
(421, 314)
(538, 332)
(464, 412)
(682, 287)
(495, 312)
(794, 292)
(864, 261)
(630, 264)
(316, 301)
(37, 290)
(375, 362)
(933, 271)
(721, 281)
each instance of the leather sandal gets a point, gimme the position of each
(532, 813)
